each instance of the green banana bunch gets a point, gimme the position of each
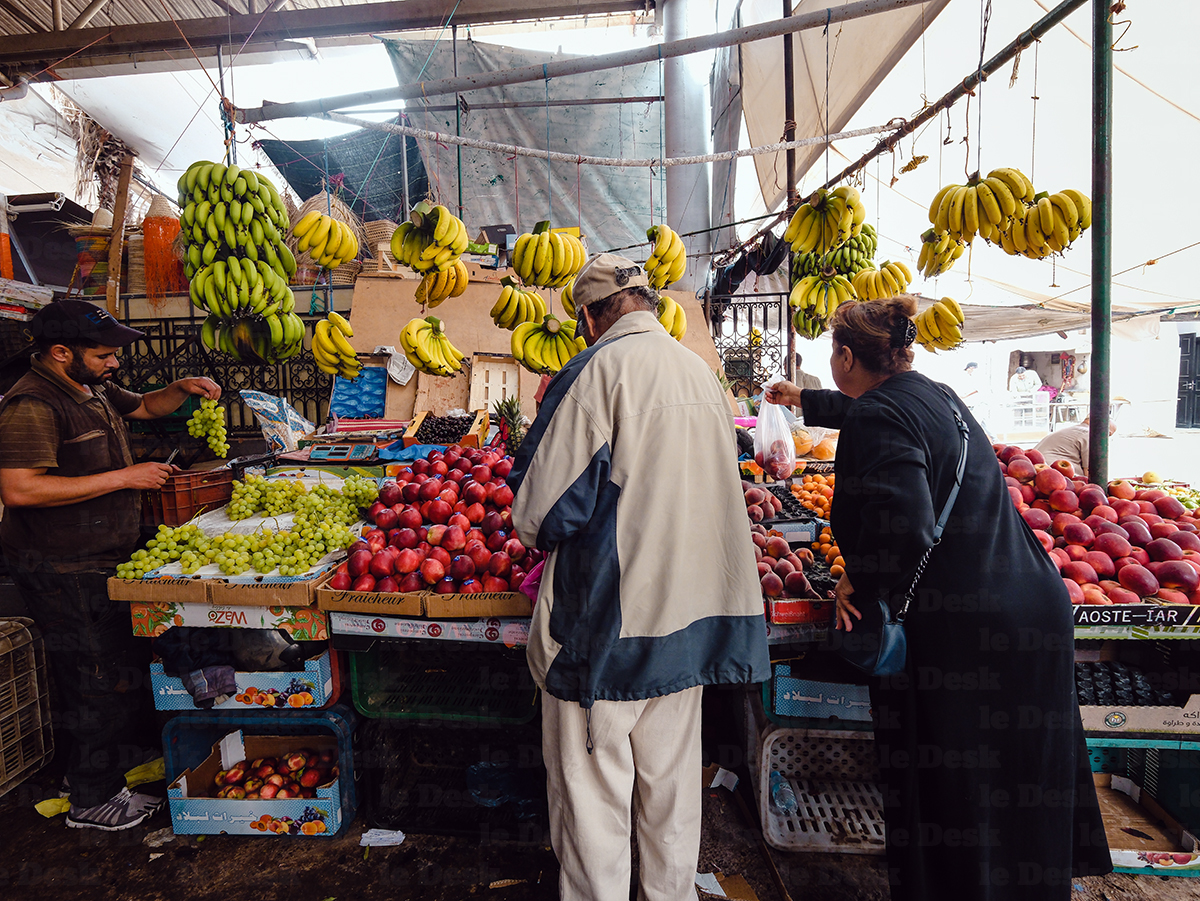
(516, 305)
(847, 258)
(428, 349)
(820, 295)
(939, 327)
(546, 346)
(826, 220)
(668, 260)
(432, 240)
(547, 258)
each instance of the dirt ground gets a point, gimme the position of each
(43, 859)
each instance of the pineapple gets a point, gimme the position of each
(511, 422)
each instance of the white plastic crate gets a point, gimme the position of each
(26, 739)
(833, 774)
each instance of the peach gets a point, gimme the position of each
(1092, 497)
(1028, 495)
(777, 546)
(1178, 575)
(1101, 563)
(1138, 579)
(1122, 562)
(1021, 469)
(1161, 549)
(1074, 592)
(772, 585)
(1060, 521)
(1138, 531)
(1065, 467)
(1064, 501)
(1113, 545)
(1035, 456)
(1007, 452)
(1081, 572)
(1075, 551)
(1105, 511)
(1049, 481)
(1037, 519)
(1044, 538)
(1139, 554)
(1172, 596)
(1169, 507)
(1079, 533)
(1122, 489)
(1014, 495)
(1104, 527)
(1094, 594)
(1059, 556)
(1121, 595)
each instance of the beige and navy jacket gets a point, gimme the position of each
(628, 479)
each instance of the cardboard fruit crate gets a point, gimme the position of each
(475, 435)
(318, 685)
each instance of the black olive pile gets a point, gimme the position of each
(443, 429)
(1113, 684)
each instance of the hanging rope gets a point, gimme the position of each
(1033, 139)
(511, 150)
(985, 18)
(549, 173)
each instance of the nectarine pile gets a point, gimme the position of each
(1115, 545)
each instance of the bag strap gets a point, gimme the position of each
(964, 433)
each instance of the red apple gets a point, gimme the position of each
(439, 511)
(470, 586)
(358, 563)
(365, 582)
(496, 540)
(500, 565)
(454, 539)
(435, 534)
(382, 565)
(387, 585)
(340, 582)
(462, 567)
(441, 555)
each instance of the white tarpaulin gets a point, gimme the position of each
(857, 54)
(611, 205)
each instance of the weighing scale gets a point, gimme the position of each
(344, 453)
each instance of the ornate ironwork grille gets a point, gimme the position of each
(750, 332)
(172, 349)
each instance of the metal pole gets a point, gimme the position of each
(1101, 361)
(789, 134)
(404, 169)
(457, 116)
(579, 65)
(56, 14)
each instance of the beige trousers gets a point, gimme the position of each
(645, 753)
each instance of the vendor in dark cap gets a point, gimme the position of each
(72, 496)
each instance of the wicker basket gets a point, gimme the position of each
(135, 280)
(346, 274)
(379, 231)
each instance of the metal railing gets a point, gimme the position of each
(750, 332)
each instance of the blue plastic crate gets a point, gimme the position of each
(188, 739)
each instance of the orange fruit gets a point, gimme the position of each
(836, 570)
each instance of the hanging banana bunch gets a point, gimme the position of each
(939, 327)
(546, 346)
(426, 346)
(672, 317)
(888, 280)
(516, 305)
(668, 260)
(821, 294)
(938, 252)
(432, 240)
(437, 286)
(329, 242)
(546, 258)
(847, 258)
(332, 351)
(233, 222)
(826, 220)
(568, 299)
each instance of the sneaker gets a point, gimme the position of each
(124, 810)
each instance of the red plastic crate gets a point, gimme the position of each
(799, 610)
(185, 495)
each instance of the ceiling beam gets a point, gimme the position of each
(89, 13)
(120, 42)
(19, 14)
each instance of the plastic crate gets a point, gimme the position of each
(834, 776)
(26, 737)
(188, 739)
(425, 779)
(418, 681)
(186, 494)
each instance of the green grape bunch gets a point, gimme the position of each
(209, 422)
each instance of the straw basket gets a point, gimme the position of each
(330, 205)
(346, 274)
(135, 281)
(380, 231)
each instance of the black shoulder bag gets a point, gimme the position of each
(877, 643)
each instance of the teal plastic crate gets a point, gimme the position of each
(443, 681)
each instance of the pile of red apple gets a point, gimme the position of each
(295, 775)
(445, 525)
(1114, 546)
(780, 569)
(761, 504)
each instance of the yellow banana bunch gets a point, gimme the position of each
(1049, 225)
(516, 305)
(426, 346)
(332, 351)
(568, 298)
(546, 346)
(826, 220)
(888, 280)
(668, 260)
(821, 295)
(938, 252)
(939, 327)
(437, 286)
(672, 317)
(432, 240)
(980, 207)
(327, 241)
(548, 259)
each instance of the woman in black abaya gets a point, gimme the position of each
(986, 780)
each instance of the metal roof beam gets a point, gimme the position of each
(45, 49)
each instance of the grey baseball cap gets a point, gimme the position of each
(604, 275)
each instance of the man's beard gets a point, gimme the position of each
(77, 372)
